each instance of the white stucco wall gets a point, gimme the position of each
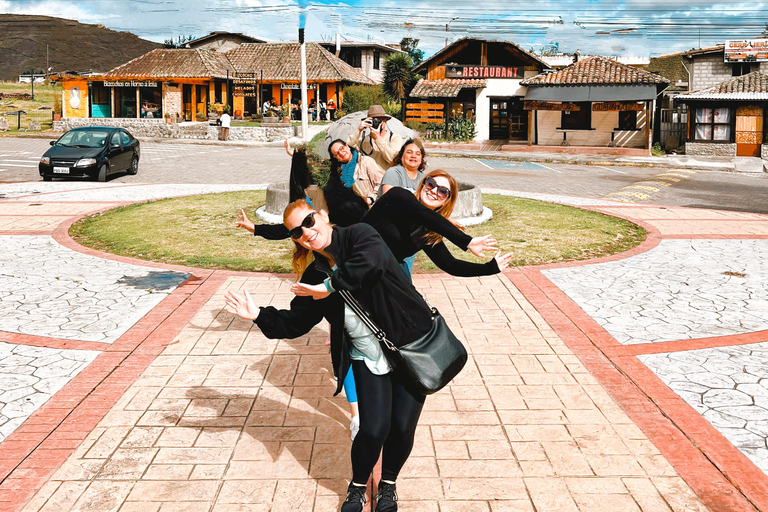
(497, 88)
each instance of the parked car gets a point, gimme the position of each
(91, 152)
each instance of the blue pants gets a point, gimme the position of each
(349, 387)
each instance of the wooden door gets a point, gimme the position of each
(749, 130)
(499, 129)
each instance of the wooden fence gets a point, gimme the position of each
(427, 113)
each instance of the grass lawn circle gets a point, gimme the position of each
(199, 231)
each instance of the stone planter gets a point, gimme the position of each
(469, 209)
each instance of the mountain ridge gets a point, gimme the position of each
(71, 45)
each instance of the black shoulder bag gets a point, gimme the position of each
(429, 362)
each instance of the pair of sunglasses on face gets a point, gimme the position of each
(442, 192)
(298, 231)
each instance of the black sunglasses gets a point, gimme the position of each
(308, 222)
(442, 192)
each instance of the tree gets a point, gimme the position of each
(178, 42)
(410, 46)
(399, 78)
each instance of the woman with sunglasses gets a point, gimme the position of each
(356, 259)
(409, 223)
(407, 168)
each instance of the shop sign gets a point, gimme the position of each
(746, 50)
(482, 72)
(244, 85)
(130, 83)
(298, 86)
(617, 106)
(543, 105)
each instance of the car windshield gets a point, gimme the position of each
(84, 139)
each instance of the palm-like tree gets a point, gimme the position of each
(399, 79)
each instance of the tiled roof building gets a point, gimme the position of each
(751, 86)
(174, 63)
(597, 71)
(446, 87)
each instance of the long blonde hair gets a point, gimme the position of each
(302, 256)
(447, 208)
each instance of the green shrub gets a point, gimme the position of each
(656, 150)
(459, 129)
(360, 97)
(393, 109)
(417, 126)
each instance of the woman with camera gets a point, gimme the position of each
(375, 140)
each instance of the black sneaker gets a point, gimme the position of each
(386, 498)
(355, 499)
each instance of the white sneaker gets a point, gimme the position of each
(354, 426)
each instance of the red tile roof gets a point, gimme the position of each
(750, 86)
(174, 63)
(597, 71)
(446, 87)
(282, 61)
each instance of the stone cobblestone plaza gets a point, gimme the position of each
(632, 383)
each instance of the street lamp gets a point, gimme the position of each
(446, 28)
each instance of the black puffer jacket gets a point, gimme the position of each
(366, 267)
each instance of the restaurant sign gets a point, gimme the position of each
(544, 105)
(746, 50)
(617, 106)
(482, 72)
(244, 85)
(130, 83)
(298, 86)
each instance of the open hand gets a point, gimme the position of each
(244, 222)
(502, 260)
(481, 244)
(241, 304)
(316, 291)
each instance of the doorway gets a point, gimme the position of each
(509, 121)
(749, 130)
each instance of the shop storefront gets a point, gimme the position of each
(479, 80)
(184, 83)
(593, 102)
(729, 119)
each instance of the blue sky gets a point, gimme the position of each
(615, 27)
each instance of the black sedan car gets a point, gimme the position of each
(91, 152)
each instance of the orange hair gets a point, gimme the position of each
(301, 255)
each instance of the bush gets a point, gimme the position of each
(393, 109)
(656, 150)
(416, 126)
(459, 129)
(360, 97)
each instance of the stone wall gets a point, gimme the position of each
(173, 100)
(158, 128)
(764, 151)
(711, 69)
(704, 149)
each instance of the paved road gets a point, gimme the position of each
(203, 164)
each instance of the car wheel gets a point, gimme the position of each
(102, 176)
(47, 178)
(134, 168)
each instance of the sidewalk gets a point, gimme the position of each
(633, 383)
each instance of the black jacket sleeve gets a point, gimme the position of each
(271, 231)
(443, 258)
(419, 214)
(304, 313)
(366, 259)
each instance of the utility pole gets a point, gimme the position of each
(446, 29)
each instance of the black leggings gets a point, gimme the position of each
(388, 417)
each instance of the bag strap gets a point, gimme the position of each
(358, 309)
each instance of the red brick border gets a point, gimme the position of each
(721, 475)
(33, 452)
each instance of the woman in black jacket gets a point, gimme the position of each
(354, 258)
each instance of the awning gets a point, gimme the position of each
(591, 93)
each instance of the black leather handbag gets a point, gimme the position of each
(429, 362)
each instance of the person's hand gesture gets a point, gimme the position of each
(241, 304)
(365, 123)
(316, 291)
(244, 222)
(480, 244)
(288, 148)
(502, 260)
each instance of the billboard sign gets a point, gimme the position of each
(746, 50)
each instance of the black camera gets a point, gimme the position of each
(375, 123)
